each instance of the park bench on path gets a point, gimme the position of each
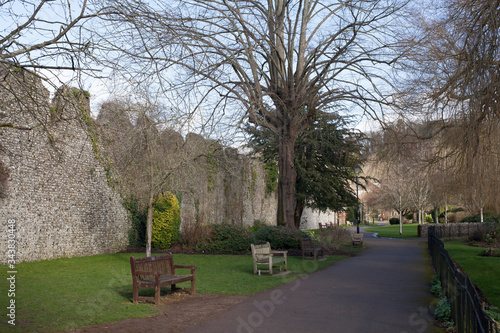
(263, 255)
(157, 272)
(357, 239)
(309, 248)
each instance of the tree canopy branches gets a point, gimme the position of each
(277, 62)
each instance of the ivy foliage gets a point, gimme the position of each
(271, 176)
(137, 233)
(166, 221)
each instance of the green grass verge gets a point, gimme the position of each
(64, 294)
(392, 231)
(483, 271)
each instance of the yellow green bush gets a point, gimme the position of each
(166, 221)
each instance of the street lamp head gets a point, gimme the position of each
(357, 168)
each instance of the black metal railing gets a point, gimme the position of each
(466, 309)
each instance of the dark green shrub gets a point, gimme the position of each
(137, 233)
(442, 312)
(351, 214)
(487, 217)
(257, 225)
(166, 221)
(409, 216)
(436, 288)
(280, 237)
(494, 313)
(394, 220)
(225, 238)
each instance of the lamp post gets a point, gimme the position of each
(357, 170)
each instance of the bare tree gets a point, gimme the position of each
(146, 153)
(454, 63)
(277, 62)
(42, 43)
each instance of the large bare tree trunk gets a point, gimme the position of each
(286, 181)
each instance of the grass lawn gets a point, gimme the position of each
(483, 271)
(64, 294)
(392, 231)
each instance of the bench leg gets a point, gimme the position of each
(157, 295)
(157, 290)
(135, 293)
(193, 286)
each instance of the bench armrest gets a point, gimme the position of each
(284, 253)
(186, 266)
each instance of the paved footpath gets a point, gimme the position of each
(384, 289)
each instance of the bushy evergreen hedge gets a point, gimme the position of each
(394, 220)
(280, 237)
(166, 221)
(225, 238)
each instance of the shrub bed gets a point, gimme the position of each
(222, 238)
(280, 237)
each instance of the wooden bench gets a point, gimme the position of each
(157, 272)
(309, 248)
(357, 239)
(263, 255)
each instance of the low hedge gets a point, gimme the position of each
(225, 238)
(280, 237)
(394, 220)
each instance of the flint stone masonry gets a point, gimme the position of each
(56, 188)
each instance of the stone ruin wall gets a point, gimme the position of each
(215, 184)
(55, 187)
(229, 188)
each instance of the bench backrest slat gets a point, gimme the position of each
(163, 264)
(261, 251)
(306, 242)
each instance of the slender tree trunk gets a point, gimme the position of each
(400, 223)
(400, 216)
(149, 220)
(149, 224)
(286, 181)
(446, 211)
